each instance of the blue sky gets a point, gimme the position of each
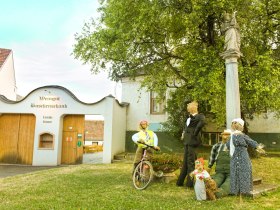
(41, 35)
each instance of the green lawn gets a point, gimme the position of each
(109, 186)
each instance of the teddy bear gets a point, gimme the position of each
(211, 189)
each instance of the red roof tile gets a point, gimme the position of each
(4, 53)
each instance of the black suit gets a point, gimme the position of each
(192, 139)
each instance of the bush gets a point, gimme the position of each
(166, 162)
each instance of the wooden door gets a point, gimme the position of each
(26, 138)
(9, 127)
(72, 139)
(69, 147)
(17, 138)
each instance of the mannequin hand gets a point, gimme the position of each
(141, 141)
(157, 148)
(192, 175)
(260, 149)
(182, 136)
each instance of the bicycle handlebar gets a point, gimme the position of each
(147, 145)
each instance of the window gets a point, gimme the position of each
(46, 141)
(156, 104)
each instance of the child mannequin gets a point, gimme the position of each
(200, 175)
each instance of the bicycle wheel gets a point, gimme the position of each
(142, 175)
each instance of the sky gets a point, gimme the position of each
(41, 35)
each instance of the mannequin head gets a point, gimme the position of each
(143, 124)
(199, 164)
(192, 107)
(225, 135)
(237, 124)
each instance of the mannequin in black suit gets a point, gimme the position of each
(192, 139)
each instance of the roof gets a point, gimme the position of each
(4, 99)
(4, 53)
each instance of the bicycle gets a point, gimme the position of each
(143, 172)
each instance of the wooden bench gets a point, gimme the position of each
(93, 148)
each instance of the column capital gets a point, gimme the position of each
(231, 55)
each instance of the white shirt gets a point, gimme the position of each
(189, 119)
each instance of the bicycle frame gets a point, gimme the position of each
(143, 172)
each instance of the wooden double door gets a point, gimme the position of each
(72, 139)
(17, 138)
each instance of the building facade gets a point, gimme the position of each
(142, 105)
(7, 74)
(94, 132)
(264, 128)
(47, 127)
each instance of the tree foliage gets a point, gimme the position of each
(180, 40)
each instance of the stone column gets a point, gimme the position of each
(231, 54)
(232, 91)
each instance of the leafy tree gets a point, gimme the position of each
(176, 44)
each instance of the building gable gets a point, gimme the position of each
(4, 53)
(7, 74)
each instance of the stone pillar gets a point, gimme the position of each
(232, 91)
(232, 86)
(231, 54)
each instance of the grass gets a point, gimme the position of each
(109, 186)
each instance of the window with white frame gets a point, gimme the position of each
(157, 105)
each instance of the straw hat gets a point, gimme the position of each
(227, 131)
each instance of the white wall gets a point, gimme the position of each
(64, 102)
(139, 104)
(7, 79)
(119, 131)
(264, 123)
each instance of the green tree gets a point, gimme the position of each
(176, 44)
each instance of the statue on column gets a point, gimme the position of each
(232, 34)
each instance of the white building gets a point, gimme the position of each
(264, 128)
(142, 105)
(7, 74)
(47, 127)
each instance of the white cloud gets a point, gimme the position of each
(40, 64)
